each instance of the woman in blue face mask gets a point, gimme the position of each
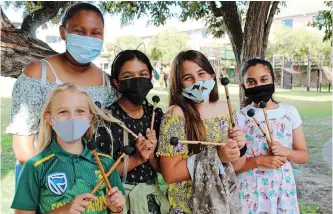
(131, 74)
(201, 179)
(82, 29)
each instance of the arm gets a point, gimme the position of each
(250, 163)
(23, 147)
(238, 164)
(24, 212)
(155, 163)
(299, 154)
(174, 169)
(25, 112)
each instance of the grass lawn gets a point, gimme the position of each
(315, 109)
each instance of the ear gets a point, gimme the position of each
(115, 83)
(48, 119)
(62, 33)
(214, 76)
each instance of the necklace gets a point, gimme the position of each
(75, 64)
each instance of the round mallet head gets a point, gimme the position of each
(262, 104)
(156, 99)
(174, 141)
(98, 104)
(91, 144)
(128, 150)
(225, 81)
(251, 112)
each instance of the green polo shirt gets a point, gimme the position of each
(54, 177)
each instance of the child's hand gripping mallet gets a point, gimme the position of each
(127, 150)
(225, 82)
(174, 141)
(262, 105)
(251, 113)
(156, 99)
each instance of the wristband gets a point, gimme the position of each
(243, 151)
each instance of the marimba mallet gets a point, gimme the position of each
(174, 141)
(251, 113)
(156, 99)
(127, 150)
(262, 105)
(225, 82)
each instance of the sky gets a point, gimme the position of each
(113, 28)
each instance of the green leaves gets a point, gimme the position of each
(324, 21)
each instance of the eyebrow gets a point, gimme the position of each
(77, 106)
(201, 69)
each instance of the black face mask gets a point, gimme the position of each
(260, 93)
(135, 89)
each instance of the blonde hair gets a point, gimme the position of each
(45, 130)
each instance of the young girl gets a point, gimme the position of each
(82, 28)
(131, 75)
(59, 179)
(198, 181)
(266, 181)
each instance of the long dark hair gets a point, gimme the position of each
(254, 62)
(194, 127)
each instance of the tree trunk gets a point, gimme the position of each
(39, 17)
(18, 49)
(254, 37)
(252, 42)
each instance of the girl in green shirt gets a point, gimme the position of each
(60, 178)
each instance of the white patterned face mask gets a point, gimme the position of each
(199, 91)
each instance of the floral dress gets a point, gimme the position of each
(180, 194)
(265, 190)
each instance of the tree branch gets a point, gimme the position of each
(35, 19)
(234, 27)
(268, 25)
(216, 11)
(5, 22)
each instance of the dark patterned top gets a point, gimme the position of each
(143, 173)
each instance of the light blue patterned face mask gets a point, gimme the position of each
(83, 49)
(199, 91)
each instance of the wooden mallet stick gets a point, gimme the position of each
(174, 141)
(262, 105)
(127, 150)
(225, 82)
(251, 113)
(156, 99)
(92, 145)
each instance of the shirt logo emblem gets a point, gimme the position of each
(57, 183)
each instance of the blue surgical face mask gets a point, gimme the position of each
(70, 130)
(199, 91)
(83, 49)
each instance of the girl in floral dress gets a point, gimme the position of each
(201, 179)
(266, 181)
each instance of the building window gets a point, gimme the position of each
(204, 34)
(288, 22)
(52, 39)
